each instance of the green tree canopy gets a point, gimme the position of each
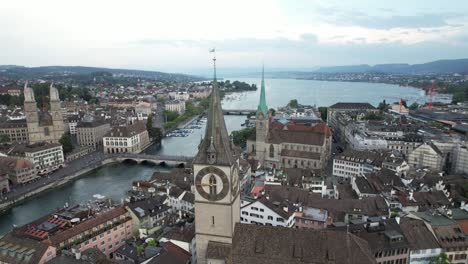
(66, 142)
(441, 259)
(171, 115)
(239, 137)
(323, 112)
(4, 138)
(293, 103)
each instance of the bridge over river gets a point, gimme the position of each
(168, 160)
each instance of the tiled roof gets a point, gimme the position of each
(345, 105)
(300, 154)
(17, 246)
(218, 250)
(278, 136)
(265, 244)
(417, 234)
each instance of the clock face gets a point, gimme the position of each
(212, 183)
(235, 181)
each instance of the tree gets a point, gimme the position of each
(414, 106)
(152, 243)
(240, 137)
(66, 142)
(293, 103)
(383, 106)
(272, 111)
(4, 138)
(171, 115)
(323, 112)
(441, 259)
(140, 249)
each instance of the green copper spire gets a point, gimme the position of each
(262, 106)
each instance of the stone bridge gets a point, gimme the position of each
(175, 161)
(238, 111)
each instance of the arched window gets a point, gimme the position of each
(272, 151)
(213, 185)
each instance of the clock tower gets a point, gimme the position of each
(217, 196)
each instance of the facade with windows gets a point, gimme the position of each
(105, 232)
(176, 106)
(91, 133)
(426, 156)
(18, 170)
(266, 213)
(46, 157)
(16, 130)
(130, 139)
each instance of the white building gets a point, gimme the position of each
(427, 156)
(176, 106)
(264, 212)
(46, 157)
(181, 202)
(129, 139)
(351, 164)
(462, 160)
(182, 96)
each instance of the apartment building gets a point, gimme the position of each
(129, 139)
(91, 133)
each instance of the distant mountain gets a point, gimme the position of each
(440, 66)
(60, 72)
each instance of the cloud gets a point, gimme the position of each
(396, 21)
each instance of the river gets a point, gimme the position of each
(112, 181)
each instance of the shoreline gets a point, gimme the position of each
(48, 187)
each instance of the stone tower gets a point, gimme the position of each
(261, 125)
(30, 107)
(56, 113)
(217, 196)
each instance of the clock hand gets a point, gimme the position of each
(205, 184)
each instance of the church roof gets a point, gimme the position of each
(262, 106)
(216, 141)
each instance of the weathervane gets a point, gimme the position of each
(213, 50)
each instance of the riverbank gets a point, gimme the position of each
(47, 187)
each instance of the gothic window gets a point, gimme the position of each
(213, 185)
(272, 151)
(46, 131)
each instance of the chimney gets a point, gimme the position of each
(397, 219)
(411, 195)
(168, 189)
(76, 252)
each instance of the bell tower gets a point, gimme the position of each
(261, 124)
(56, 113)
(217, 196)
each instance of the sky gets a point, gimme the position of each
(176, 35)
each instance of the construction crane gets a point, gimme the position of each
(431, 93)
(401, 100)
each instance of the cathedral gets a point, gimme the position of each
(217, 195)
(43, 125)
(283, 143)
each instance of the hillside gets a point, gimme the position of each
(437, 67)
(63, 72)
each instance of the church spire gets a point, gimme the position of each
(215, 147)
(262, 106)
